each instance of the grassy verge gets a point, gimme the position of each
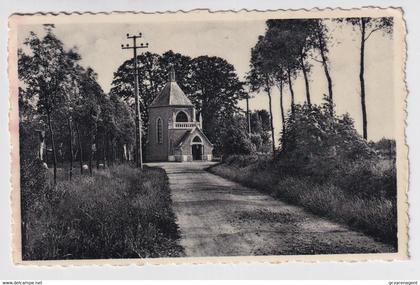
(373, 214)
(120, 212)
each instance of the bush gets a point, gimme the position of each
(236, 141)
(257, 141)
(385, 147)
(366, 180)
(316, 142)
(34, 192)
(120, 212)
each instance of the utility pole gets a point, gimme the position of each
(138, 152)
(248, 115)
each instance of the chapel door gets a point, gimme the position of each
(196, 152)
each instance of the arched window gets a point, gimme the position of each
(159, 130)
(181, 117)
(197, 139)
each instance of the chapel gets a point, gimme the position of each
(174, 128)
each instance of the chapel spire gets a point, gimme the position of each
(172, 74)
(171, 94)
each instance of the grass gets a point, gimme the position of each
(119, 212)
(372, 212)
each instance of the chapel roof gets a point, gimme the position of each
(192, 132)
(171, 94)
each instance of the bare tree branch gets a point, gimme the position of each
(317, 60)
(371, 32)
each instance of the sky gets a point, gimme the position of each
(99, 44)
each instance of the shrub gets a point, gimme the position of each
(364, 179)
(257, 141)
(34, 192)
(316, 142)
(385, 147)
(236, 141)
(240, 160)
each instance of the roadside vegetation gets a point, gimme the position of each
(328, 168)
(118, 212)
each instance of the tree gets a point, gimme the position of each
(367, 26)
(291, 42)
(321, 38)
(278, 56)
(86, 114)
(43, 73)
(115, 130)
(318, 143)
(235, 138)
(150, 80)
(72, 92)
(294, 37)
(59, 94)
(215, 92)
(260, 126)
(153, 74)
(260, 77)
(280, 78)
(183, 69)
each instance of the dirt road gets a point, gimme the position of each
(218, 217)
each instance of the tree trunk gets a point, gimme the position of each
(362, 79)
(104, 150)
(108, 156)
(283, 120)
(41, 145)
(52, 146)
(125, 155)
(91, 154)
(80, 148)
(271, 121)
(292, 93)
(97, 150)
(71, 147)
(113, 149)
(248, 115)
(326, 71)
(305, 76)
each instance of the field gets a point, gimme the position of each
(118, 212)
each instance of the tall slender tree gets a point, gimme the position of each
(281, 78)
(321, 38)
(292, 39)
(87, 114)
(71, 92)
(286, 47)
(367, 26)
(260, 77)
(43, 72)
